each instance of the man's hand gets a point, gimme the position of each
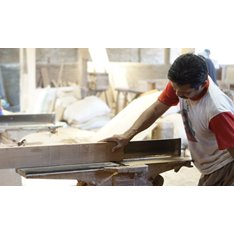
(120, 141)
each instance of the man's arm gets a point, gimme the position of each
(222, 125)
(146, 119)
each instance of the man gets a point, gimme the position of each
(208, 116)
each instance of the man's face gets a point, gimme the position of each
(185, 91)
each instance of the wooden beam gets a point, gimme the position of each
(83, 58)
(167, 56)
(55, 155)
(70, 154)
(27, 77)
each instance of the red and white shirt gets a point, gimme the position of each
(209, 125)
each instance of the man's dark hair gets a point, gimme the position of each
(189, 69)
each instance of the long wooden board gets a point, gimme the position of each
(55, 155)
(70, 154)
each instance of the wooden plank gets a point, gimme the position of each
(59, 79)
(45, 77)
(55, 155)
(27, 77)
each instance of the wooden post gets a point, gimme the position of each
(27, 77)
(139, 55)
(101, 64)
(167, 55)
(83, 56)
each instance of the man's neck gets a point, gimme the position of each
(203, 91)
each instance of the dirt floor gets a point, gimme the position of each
(185, 177)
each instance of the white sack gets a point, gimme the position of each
(61, 104)
(93, 124)
(86, 109)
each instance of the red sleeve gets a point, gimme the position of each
(168, 96)
(222, 126)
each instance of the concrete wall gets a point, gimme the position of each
(228, 74)
(10, 77)
(57, 62)
(56, 55)
(136, 55)
(136, 75)
(9, 55)
(49, 58)
(132, 64)
(9, 65)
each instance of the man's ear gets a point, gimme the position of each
(206, 83)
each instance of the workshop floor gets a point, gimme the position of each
(185, 177)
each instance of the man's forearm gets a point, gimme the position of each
(146, 119)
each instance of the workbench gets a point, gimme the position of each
(13, 127)
(16, 126)
(125, 92)
(140, 163)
